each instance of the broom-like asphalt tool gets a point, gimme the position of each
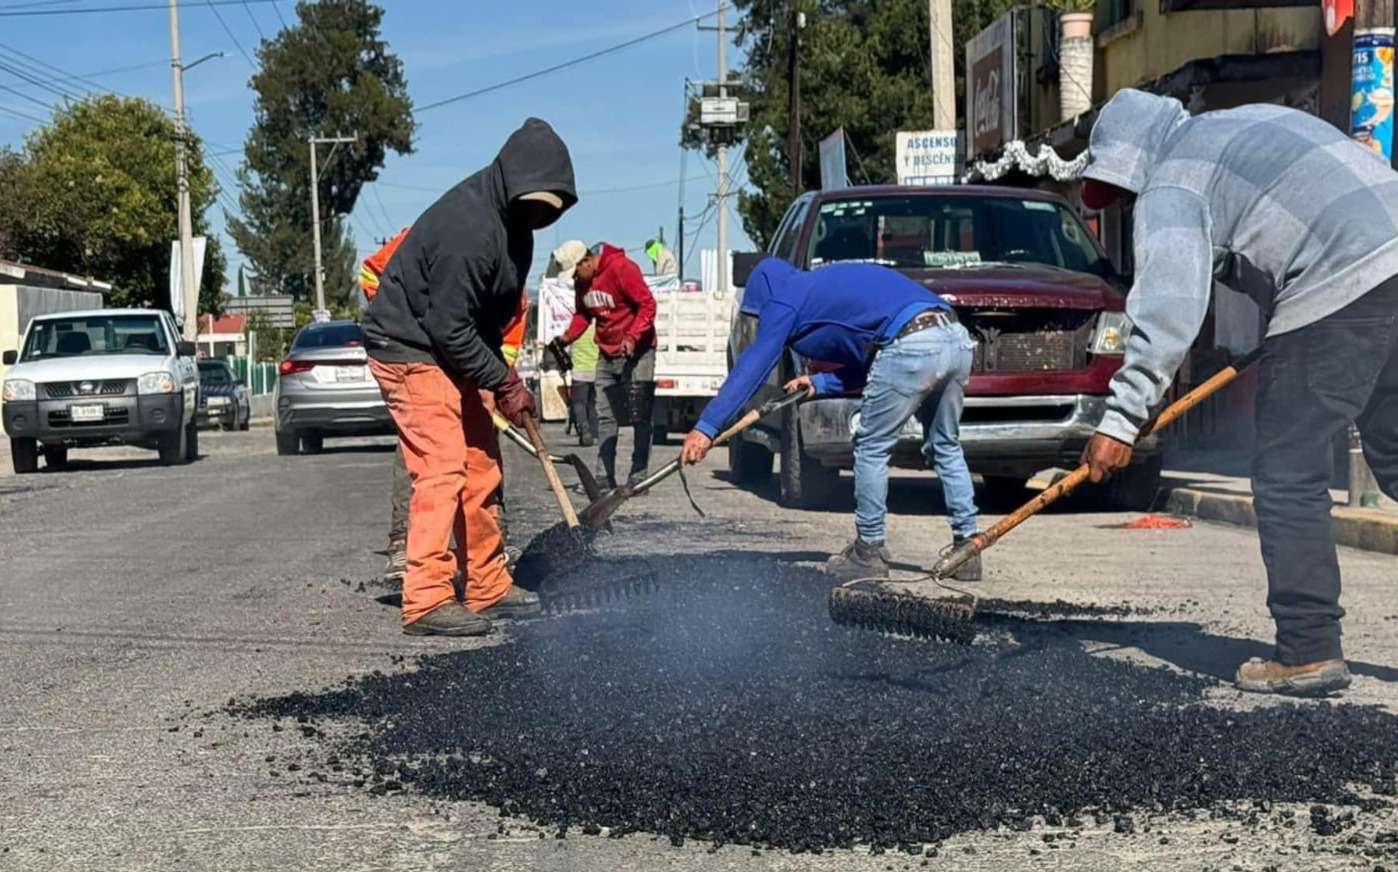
(856, 604)
(565, 597)
(563, 545)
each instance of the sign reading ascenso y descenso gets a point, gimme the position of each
(927, 157)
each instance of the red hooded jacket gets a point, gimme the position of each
(621, 303)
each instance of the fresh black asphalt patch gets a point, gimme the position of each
(727, 707)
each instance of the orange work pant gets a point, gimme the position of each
(452, 453)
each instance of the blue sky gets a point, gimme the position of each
(620, 114)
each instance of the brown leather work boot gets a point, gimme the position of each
(516, 603)
(449, 619)
(1311, 679)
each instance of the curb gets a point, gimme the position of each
(1367, 529)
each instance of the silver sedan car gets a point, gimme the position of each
(324, 388)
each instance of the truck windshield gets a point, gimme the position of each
(932, 232)
(214, 374)
(95, 334)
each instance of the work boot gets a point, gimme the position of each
(512, 555)
(516, 603)
(449, 619)
(971, 569)
(397, 565)
(860, 560)
(1320, 678)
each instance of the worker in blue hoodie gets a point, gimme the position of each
(888, 336)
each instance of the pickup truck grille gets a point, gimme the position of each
(107, 388)
(1019, 340)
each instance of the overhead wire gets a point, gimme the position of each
(563, 65)
(253, 18)
(228, 30)
(24, 115)
(92, 10)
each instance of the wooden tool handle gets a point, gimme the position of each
(1070, 482)
(564, 504)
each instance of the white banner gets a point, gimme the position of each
(176, 298)
(557, 300)
(833, 168)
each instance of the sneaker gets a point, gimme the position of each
(860, 560)
(1310, 679)
(449, 619)
(397, 564)
(971, 569)
(516, 603)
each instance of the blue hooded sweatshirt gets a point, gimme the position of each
(839, 314)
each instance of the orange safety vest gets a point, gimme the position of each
(374, 265)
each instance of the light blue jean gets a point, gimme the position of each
(922, 374)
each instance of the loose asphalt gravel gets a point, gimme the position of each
(207, 674)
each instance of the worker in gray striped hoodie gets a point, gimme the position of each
(1281, 206)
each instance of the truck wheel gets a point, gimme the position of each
(805, 483)
(55, 456)
(191, 441)
(748, 462)
(1135, 487)
(312, 443)
(24, 454)
(172, 447)
(288, 443)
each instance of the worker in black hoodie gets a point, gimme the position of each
(433, 333)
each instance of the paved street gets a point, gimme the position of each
(137, 601)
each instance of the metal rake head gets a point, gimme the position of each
(904, 614)
(592, 596)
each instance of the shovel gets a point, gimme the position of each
(597, 514)
(585, 476)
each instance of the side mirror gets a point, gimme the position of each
(11, 357)
(185, 349)
(744, 262)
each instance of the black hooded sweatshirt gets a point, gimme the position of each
(452, 287)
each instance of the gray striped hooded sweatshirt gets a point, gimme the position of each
(1269, 201)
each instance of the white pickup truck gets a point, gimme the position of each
(102, 377)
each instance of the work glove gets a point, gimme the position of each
(559, 352)
(513, 399)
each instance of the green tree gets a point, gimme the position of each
(11, 164)
(98, 194)
(328, 74)
(864, 66)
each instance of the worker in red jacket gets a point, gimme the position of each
(612, 293)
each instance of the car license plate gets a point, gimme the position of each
(349, 373)
(86, 413)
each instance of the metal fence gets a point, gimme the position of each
(261, 380)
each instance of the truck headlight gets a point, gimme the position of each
(156, 383)
(18, 389)
(1113, 328)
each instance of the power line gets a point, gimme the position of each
(565, 64)
(253, 18)
(229, 31)
(19, 72)
(277, 9)
(134, 7)
(24, 96)
(24, 115)
(388, 220)
(64, 76)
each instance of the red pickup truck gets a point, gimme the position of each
(1030, 283)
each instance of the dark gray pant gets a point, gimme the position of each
(619, 371)
(584, 409)
(403, 493)
(1313, 382)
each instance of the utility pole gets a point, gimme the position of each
(793, 80)
(189, 294)
(315, 208)
(943, 75)
(721, 277)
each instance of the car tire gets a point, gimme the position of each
(1135, 488)
(288, 443)
(805, 482)
(312, 443)
(55, 456)
(748, 462)
(173, 447)
(247, 419)
(24, 455)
